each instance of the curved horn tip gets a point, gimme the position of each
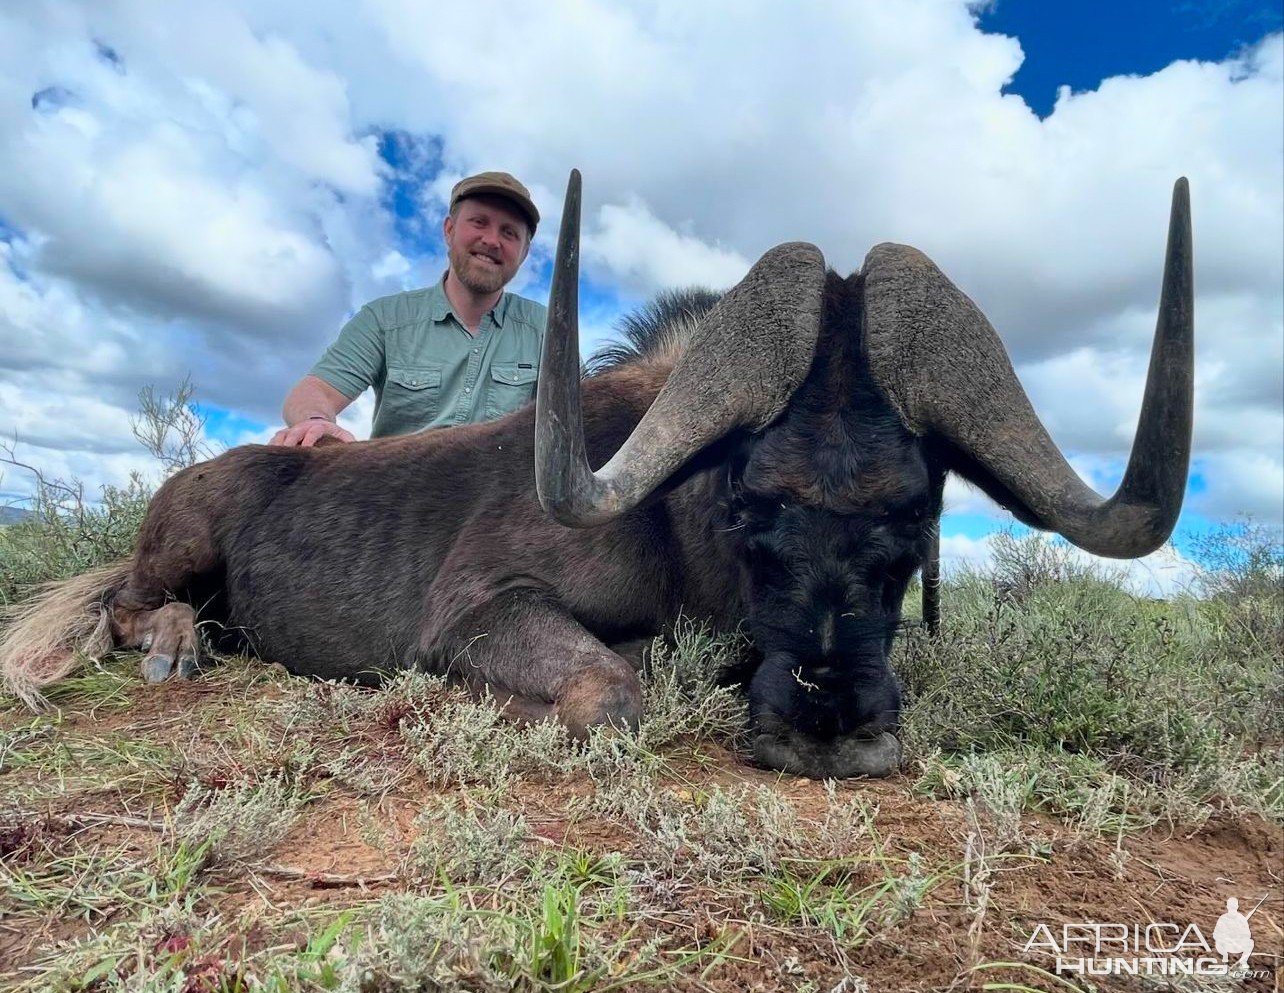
(574, 182)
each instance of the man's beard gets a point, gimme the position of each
(477, 276)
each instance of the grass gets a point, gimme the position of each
(555, 934)
(848, 899)
(1088, 688)
(1064, 741)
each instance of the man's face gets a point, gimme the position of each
(487, 241)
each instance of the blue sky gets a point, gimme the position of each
(210, 191)
(1079, 44)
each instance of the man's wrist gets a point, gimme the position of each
(319, 417)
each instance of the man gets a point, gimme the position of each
(459, 351)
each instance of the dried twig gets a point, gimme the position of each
(324, 880)
(90, 820)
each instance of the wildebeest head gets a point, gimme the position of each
(844, 404)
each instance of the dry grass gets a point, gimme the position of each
(47, 635)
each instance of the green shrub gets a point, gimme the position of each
(1049, 656)
(65, 534)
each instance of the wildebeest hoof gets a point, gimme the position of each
(189, 665)
(156, 668)
(840, 758)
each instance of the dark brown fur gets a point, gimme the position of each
(423, 551)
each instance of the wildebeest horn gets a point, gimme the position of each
(941, 363)
(745, 359)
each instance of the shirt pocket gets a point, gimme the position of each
(512, 385)
(411, 398)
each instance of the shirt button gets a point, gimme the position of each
(468, 389)
(476, 350)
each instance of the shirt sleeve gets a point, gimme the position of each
(356, 359)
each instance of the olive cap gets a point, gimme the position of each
(499, 184)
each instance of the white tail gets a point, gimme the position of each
(46, 636)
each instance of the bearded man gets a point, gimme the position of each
(459, 351)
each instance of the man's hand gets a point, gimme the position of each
(310, 432)
(310, 409)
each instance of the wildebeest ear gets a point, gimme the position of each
(745, 359)
(936, 356)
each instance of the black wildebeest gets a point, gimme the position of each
(776, 461)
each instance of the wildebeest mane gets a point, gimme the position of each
(660, 328)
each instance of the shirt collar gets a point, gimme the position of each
(440, 308)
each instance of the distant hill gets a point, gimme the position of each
(12, 515)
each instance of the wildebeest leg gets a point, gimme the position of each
(538, 662)
(166, 635)
(175, 546)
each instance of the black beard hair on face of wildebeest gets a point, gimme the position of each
(774, 461)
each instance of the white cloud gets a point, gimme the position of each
(1241, 483)
(958, 551)
(962, 498)
(191, 179)
(84, 423)
(631, 248)
(93, 469)
(394, 264)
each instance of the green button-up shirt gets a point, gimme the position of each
(426, 369)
